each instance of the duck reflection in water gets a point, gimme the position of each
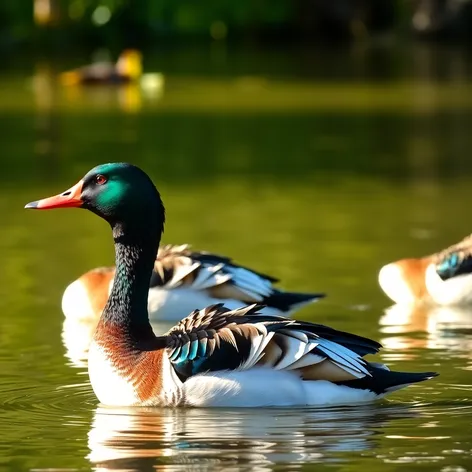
(235, 439)
(446, 327)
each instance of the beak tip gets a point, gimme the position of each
(31, 205)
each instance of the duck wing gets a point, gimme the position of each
(216, 338)
(178, 266)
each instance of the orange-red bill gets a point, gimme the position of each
(68, 199)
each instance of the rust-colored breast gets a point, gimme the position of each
(142, 369)
(414, 271)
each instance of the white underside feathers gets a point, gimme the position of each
(260, 387)
(108, 384)
(392, 283)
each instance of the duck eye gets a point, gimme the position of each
(100, 179)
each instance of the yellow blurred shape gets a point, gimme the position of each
(129, 64)
(42, 11)
(70, 78)
(152, 84)
(129, 98)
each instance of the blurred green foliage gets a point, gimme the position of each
(137, 22)
(142, 23)
(134, 21)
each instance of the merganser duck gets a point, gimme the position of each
(128, 68)
(444, 278)
(215, 357)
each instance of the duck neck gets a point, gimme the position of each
(135, 252)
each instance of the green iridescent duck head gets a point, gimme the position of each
(120, 193)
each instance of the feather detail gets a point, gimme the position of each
(209, 276)
(220, 278)
(181, 272)
(215, 339)
(230, 291)
(343, 357)
(455, 260)
(260, 344)
(305, 361)
(292, 348)
(454, 264)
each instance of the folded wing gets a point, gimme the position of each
(216, 338)
(178, 266)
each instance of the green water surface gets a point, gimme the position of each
(317, 180)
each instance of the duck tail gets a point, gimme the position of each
(384, 381)
(290, 301)
(398, 380)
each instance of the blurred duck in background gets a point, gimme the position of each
(184, 280)
(444, 278)
(128, 68)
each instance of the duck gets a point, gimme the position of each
(128, 68)
(443, 278)
(182, 280)
(215, 356)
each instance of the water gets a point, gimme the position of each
(317, 182)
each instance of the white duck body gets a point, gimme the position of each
(240, 358)
(257, 387)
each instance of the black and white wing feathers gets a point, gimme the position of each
(216, 338)
(221, 279)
